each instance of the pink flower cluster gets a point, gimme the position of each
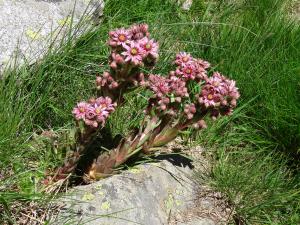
(219, 94)
(95, 111)
(131, 49)
(190, 68)
(167, 90)
(132, 46)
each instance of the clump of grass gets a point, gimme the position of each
(259, 186)
(256, 151)
(256, 181)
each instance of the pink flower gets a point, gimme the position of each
(119, 37)
(106, 104)
(217, 83)
(219, 75)
(90, 113)
(168, 92)
(183, 58)
(209, 97)
(232, 90)
(223, 86)
(220, 94)
(149, 47)
(133, 54)
(191, 68)
(80, 110)
(187, 71)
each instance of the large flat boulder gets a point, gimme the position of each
(149, 194)
(28, 25)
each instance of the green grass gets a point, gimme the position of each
(257, 149)
(251, 41)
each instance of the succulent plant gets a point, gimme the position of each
(173, 106)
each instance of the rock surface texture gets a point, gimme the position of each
(150, 194)
(26, 26)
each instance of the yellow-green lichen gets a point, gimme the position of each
(65, 21)
(98, 187)
(105, 205)
(178, 202)
(169, 202)
(136, 170)
(88, 197)
(155, 164)
(86, 2)
(33, 34)
(179, 192)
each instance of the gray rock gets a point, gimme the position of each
(28, 25)
(197, 221)
(148, 194)
(187, 4)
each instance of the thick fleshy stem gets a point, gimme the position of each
(156, 131)
(105, 164)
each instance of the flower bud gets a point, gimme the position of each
(172, 112)
(119, 59)
(111, 33)
(233, 102)
(193, 109)
(178, 99)
(113, 65)
(114, 84)
(172, 73)
(144, 28)
(98, 81)
(106, 74)
(159, 95)
(202, 124)
(95, 124)
(224, 102)
(92, 100)
(112, 44)
(163, 107)
(196, 126)
(166, 100)
(190, 116)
